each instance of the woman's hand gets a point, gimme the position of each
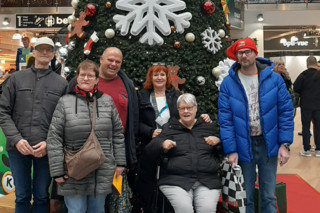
(61, 179)
(156, 133)
(206, 118)
(168, 144)
(212, 140)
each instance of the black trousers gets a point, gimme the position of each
(306, 117)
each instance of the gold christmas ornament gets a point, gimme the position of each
(177, 45)
(173, 29)
(108, 5)
(227, 38)
(216, 72)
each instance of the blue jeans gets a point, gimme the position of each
(20, 166)
(85, 203)
(267, 170)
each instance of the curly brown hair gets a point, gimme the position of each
(154, 69)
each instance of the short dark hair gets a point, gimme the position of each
(311, 61)
(87, 65)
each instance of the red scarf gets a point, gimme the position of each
(81, 92)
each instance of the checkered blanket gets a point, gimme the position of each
(233, 190)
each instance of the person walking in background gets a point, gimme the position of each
(279, 67)
(307, 85)
(25, 50)
(26, 107)
(256, 121)
(70, 129)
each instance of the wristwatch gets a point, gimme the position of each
(287, 145)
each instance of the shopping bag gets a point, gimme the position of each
(233, 190)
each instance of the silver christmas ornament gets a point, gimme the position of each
(222, 33)
(71, 19)
(201, 80)
(66, 70)
(216, 72)
(190, 37)
(69, 28)
(71, 45)
(74, 4)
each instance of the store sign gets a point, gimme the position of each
(295, 43)
(41, 20)
(234, 15)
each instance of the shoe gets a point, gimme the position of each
(300, 133)
(317, 154)
(306, 154)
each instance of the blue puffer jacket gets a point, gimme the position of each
(276, 112)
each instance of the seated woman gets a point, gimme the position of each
(70, 128)
(189, 172)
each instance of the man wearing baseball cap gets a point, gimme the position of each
(256, 121)
(26, 107)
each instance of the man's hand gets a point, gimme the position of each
(24, 148)
(233, 158)
(283, 155)
(40, 149)
(206, 118)
(156, 133)
(119, 171)
(168, 144)
(212, 140)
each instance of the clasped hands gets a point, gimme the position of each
(37, 151)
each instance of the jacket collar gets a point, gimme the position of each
(144, 95)
(264, 67)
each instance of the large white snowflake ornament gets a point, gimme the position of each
(224, 66)
(211, 40)
(151, 14)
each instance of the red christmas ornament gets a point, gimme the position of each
(90, 10)
(208, 7)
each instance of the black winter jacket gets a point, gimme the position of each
(147, 123)
(308, 86)
(191, 160)
(27, 104)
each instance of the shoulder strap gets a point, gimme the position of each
(94, 108)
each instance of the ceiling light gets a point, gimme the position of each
(260, 17)
(16, 36)
(6, 21)
(3, 61)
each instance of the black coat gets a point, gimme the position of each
(147, 125)
(191, 160)
(307, 85)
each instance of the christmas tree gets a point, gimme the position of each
(190, 34)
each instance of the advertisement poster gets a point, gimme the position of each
(235, 14)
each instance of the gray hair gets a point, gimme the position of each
(188, 99)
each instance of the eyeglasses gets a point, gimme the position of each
(247, 53)
(48, 50)
(185, 108)
(90, 77)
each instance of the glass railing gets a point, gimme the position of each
(281, 1)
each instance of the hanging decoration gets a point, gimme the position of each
(108, 5)
(71, 45)
(109, 33)
(88, 46)
(226, 12)
(142, 16)
(222, 33)
(78, 26)
(69, 28)
(201, 80)
(176, 80)
(211, 40)
(74, 4)
(90, 10)
(208, 7)
(177, 45)
(224, 67)
(216, 72)
(71, 19)
(190, 37)
(227, 38)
